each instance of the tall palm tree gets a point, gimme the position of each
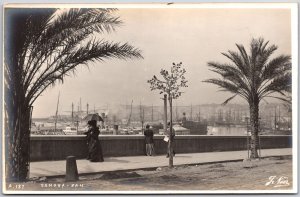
(253, 77)
(42, 47)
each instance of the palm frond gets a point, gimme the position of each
(91, 52)
(279, 84)
(253, 76)
(226, 86)
(281, 98)
(276, 66)
(232, 74)
(70, 23)
(244, 55)
(260, 53)
(238, 61)
(56, 47)
(229, 99)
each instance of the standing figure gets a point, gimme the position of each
(94, 146)
(149, 141)
(169, 137)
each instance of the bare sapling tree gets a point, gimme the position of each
(171, 83)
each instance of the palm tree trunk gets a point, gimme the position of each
(18, 141)
(254, 114)
(171, 134)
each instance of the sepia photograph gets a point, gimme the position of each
(157, 98)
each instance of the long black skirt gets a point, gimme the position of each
(95, 151)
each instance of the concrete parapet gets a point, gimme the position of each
(45, 148)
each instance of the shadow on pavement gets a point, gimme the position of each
(115, 160)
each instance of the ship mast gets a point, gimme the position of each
(77, 121)
(72, 113)
(199, 114)
(176, 113)
(56, 113)
(142, 114)
(191, 112)
(87, 109)
(152, 114)
(129, 119)
(80, 106)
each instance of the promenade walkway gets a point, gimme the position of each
(57, 168)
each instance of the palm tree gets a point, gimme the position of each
(42, 47)
(254, 77)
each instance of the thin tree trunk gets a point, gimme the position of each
(254, 114)
(171, 134)
(165, 113)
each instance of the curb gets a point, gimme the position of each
(154, 168)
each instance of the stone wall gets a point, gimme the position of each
(44, 148)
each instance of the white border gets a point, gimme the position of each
(295, 88)
(203, 5)
(294, 31)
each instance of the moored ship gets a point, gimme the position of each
(195, 127)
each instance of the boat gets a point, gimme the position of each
(195, 127)
(70, 131)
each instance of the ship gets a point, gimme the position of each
(195, 127)
(70, 131)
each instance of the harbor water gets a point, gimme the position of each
(226, 130)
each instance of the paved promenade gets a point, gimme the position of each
(56, 168)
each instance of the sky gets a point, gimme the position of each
(191, 36)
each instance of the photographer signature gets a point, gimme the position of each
(281, 181)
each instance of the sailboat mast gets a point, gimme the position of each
(80, 109)
(199, 114)
(191, 111)
(87, 109)
(176, 113)
(128, 122)
(152, 114)
(72, 113)
(56, 113)
(77, 121)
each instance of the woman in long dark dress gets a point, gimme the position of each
(94, 146)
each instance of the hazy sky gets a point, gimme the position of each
(190, 36)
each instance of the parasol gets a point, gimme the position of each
(96, 117)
